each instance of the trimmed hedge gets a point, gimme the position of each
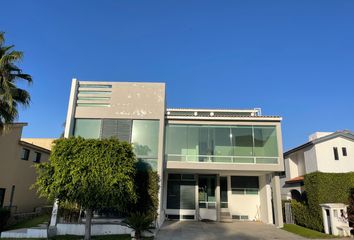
(321, 188)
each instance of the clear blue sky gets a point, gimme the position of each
(291, 58)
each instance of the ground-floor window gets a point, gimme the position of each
(248, 185)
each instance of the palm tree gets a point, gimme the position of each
(10, 95)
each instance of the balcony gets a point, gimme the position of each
(221, 159)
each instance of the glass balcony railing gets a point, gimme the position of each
(222, 159)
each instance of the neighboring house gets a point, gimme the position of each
(213, 163)
(331, 152)
(17, 173)
(41, 142)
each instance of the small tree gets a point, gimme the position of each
(92, 173)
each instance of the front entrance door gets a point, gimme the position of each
(207, 198)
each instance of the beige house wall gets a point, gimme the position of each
(17, 172)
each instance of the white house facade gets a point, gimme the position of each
(331, 152)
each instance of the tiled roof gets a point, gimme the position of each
(296, 179)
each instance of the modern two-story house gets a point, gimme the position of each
(215, 164)
(331, 152)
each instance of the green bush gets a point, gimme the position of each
(4, 217)
(147, 190)
(304, 216)
(321, 188)
(139, 222)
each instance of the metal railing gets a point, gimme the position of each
(222, 159)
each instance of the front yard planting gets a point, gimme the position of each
(305, 232)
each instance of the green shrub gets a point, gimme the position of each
(304, 216)
(4, 217)
(147, 189)
(321, 188)
(140, 222)
(351, 208)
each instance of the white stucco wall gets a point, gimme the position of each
(325, 155)
(245, 205)
(310, 160)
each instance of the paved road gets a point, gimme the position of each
(188, 230)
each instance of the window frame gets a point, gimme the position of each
(25, 154)
(336, 154)
(38, 157)
(344, 152)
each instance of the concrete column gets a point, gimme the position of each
(217, 197)
(197, 197)
(70, 117)
(278, 214)
(52, 229)
(265, 201)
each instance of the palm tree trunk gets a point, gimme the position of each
(88, 224)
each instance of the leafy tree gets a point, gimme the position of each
(92, 173)
(10, 95)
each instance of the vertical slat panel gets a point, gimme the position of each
(109, 128)
(124, 130)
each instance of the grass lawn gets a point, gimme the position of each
(33, 222)
(305, 232)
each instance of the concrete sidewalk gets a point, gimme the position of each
(190, 230)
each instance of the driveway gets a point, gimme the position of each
(189, 230)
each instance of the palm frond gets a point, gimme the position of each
(21, 96)
(2, 38)
(23, 76)
(10, 95)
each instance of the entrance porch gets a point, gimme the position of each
(222, 196)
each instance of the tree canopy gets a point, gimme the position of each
(10, 95)
(93, 173)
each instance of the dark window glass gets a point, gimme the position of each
(244, 182)
(38, 157)
(180, 194)
(25, 154)
(223, 192)
(344, 151)
(2, 196)
(335, 151)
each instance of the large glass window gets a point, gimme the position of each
(243, 140)
(237, 144)
(87, 128)
(265, 141)
(145, 138)
(176, 141)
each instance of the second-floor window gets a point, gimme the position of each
(25, 154)
(38, 157)
(335, 152)
(344, 151)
